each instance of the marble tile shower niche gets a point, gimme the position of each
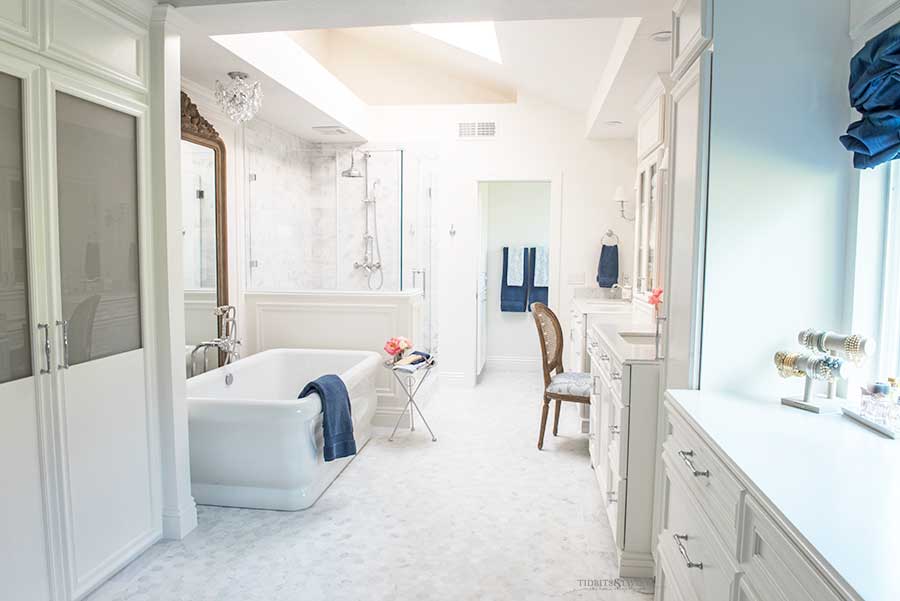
(307, 224)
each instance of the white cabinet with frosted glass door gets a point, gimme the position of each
(101, 327)
(650, 189)
(79, 450)
(689, 151)
(25, 391)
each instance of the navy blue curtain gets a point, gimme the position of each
(875, 92)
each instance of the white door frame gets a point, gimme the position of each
(555, 225)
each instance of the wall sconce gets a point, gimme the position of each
(619, 197)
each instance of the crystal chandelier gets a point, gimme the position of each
(239, 98)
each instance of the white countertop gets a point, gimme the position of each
(835, 482)
(609, 326)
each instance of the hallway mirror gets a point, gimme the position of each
(204, 243)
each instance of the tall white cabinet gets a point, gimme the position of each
(689, 116)
(79, 456)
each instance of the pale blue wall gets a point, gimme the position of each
(778, 186)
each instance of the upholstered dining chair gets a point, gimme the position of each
(571, 386)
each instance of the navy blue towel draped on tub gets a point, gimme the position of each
(337, 423)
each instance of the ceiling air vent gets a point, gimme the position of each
(331, 130)
(474, 130)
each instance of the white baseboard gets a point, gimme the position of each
(178, 523)
(453, 378)
(512, 363)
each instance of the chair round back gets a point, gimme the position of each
(551, 337)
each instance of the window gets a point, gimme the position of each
(875, 285)
(889, 326)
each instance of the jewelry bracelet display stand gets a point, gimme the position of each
(828, 367)
(809, 367)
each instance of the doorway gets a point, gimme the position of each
(515, 223)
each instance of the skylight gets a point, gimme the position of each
(479, 37)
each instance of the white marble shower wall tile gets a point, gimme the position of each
(308, 224)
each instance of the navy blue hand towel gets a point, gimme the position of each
(336, 421)
(536, 294)
(513, 298)
(608, 268)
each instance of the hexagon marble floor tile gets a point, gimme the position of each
(479, 514)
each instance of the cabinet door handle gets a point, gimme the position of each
(616, 375)
(680, 539)
(595, 387)
(686, 457)
(46, 328)
(65, 338)
(614, 430)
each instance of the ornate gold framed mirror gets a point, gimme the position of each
(204, 224)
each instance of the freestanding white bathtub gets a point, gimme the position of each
(254, 444)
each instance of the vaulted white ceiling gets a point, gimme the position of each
(563, 61)
(559, 61)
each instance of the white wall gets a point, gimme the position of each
(778, 187)
(535, 141)
(518, 214)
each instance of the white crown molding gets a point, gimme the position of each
(168, 15)
(875, 22)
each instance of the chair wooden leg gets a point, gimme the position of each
(556, 417)
(544, 412)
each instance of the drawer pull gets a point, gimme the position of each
(611, 497)
(614, 430)
(604, 357)
(681, 549)
(686, 457)
(616, 375)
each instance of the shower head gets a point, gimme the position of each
(352, 171)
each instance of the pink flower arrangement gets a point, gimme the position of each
(656, 298)
(395, 346)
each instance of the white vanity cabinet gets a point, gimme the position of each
(623, 418)
(750, 518)
(586, 308)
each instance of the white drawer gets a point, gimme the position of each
(593, 430)
(774, 566)
(688, 543)
(618, 437)
(745, 592)
(615, 509)
(668, 588)
(717, 490)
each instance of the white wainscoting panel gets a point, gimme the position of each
(93, 37)
(19, 19)
(336, 320)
